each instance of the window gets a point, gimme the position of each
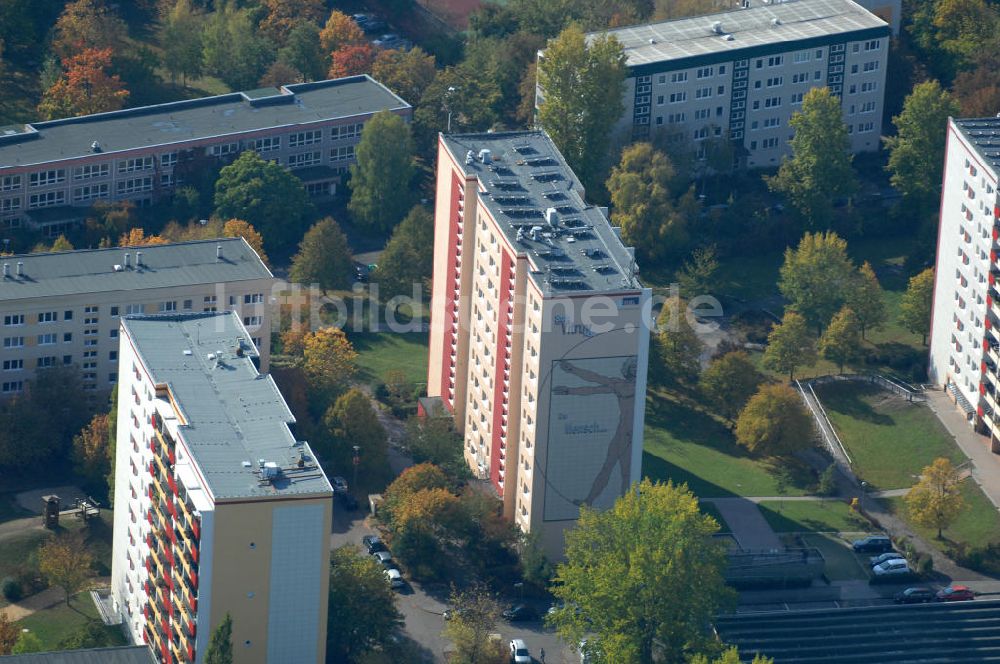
(46, 339)
(113, 355)
(114, 312)
(659, 100)
(253, 298)
(866, 127)
(68, 314)
(67, 337)
(48, 317)
(770, 123)
(13, 342)
(304, 159)
(267, 143)
(870, 66)
(13, 365)
(679, 77)
(48, 361)
(10, 204)
(756, 105)
(819, 54)
(252, 321)
(700, 134)
(759, 63)
(210, 299)
(675, 118)
(188, 304)
(305, 138)
(802, 56)
(112, 377)
(133, 165)
(342, 153)
(347, 131)
(869, 86)
(90, 342)
(133, 309)
(721, 90)
(769, 143)
(169, 159)
(91, 191)
(91, 171)
(873, 45)
(168, 306)
(775, 81)
(801, 77)
(702, 113)
(817, 75)
(853, 89)
(135, 185)
(868, 107)
(796, 99)
(13, 387)
(223, 149)
(43, 178)
(705, 72)
(775, 61)
(13, 319)
(10, 182)
(114, 333)
(772, 102)
(855, 48)
(91, 353)
(678, 97)
(48, 199)
(67, 359)
(702, 93)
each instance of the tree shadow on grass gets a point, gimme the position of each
(851, 399)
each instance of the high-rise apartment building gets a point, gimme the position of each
(741, 74)
(63, 308)
(52, 172)
(539, 342)
(218, 508)
(965, 326)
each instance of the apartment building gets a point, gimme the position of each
(51, 172)
(965, 326)
(218, 508)
(539, 341)
(741, 75)
(63, 308)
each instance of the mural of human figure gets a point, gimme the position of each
(620, 446)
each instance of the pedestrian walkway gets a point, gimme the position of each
(747, 524)
(975, 446)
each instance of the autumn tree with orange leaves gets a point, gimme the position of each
(352, 60)
(240, 228)
(85, 25)
(84, 88)
(340, 31)
(283, 15)
(136, 237)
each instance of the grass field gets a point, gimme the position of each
(824, 516)
(54, 624)
(889, 440)
(686, 445)
(842, 563)
(979, 522)
(381, 352)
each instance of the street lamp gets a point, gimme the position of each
(864, 488)
(520, 588)
(357, 462)
(447, 101)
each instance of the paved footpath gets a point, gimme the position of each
(975, 446)
(748, 525)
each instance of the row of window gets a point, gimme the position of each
(14, 320)
(53, 360)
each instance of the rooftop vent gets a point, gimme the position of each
(269, 470)
(6, 270)
(128, 261)
(652, 40)
(730, 38)
(717, 27)
(95, 146)
(247, 464)
(470, 157)
(218, 252)
(775, 21)
(486, 156)
(20, 268)
(117, 267)
(138, 259)
(551, 217)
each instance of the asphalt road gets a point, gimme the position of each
(422, 607)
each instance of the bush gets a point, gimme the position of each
(985, 558)
(923, 565)
(827, 485)
(11, 589)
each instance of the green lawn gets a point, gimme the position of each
(54, 624)
(381, 352)
(978, 524)
(827, 516)
(841, 562)
(889, 440)
(16, 550)
(687, 445)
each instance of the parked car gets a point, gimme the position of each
(339, 485)
(879, 559)
(385, 559)
(873, 544)
(373, 26)
(892, 568)
(348, 501)
(520, 613)
(956, 594)
(395, 578)
(361, 19)
(450, 613)
(916, 595)
(373, 543)
(519, 652)
(389, 40)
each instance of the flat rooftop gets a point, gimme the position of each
(760, 25)
(524, 179)
(65, 273)
(235, 416)
(114, 655)
(984, 135)
(194, 119)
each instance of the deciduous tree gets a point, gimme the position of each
(790, 345)
(28, 642)
(866, 300)
(351, 60)
(278, 74)
(916, 152)
(679, 346)
(419, 477)
(915, 308)
(240, 228)
(84, 88)
(323, 257)
(62, 244)
(818, 277)
(9, 634)
(381, 178)
(90, 450)
(731, 656)
(963, 27)
(233, 50)
(265, 195)
(640, 191)
(978, 89)
(434, 440)
(583, 85)
(471, 100)
(626, 567)
(728, 383)
(181, 38)
(340, 31)
(220, 645)
(361, 613)
(407, 73)
(841, 341)
(351, 421)
(936, 500)
(329, 359)
(475, 613)
(136, 237)
(819, 169)
(774, 422)
(65, 562)
(408, 257)
(284, 15)
(87, 25)
(699, 275)
(303, 52)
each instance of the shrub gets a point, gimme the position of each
(11, 589)
(828, 481)
(985, 558)
(923, 565)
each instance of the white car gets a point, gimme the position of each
(894, 567)
(394, 578)
(519, 652)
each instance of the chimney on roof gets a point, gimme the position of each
(128, 261)
(20, 268)
(138, 259)
(218, 252)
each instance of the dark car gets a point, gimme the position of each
(873, 544)
(373, 544)
(348, 501)
(520, 613)
(373, 26)
(914, 596)
(956, 594)
(339, 484)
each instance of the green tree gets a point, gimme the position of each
(91, 634)
(328, 360)
(62, 244)
(283, 16)
(265, 195)
(475, 613)
(232, 49)
(407, 73)
(352, 421)
(9, 634)
(408, 258)
(583, 86)
(640, 192)
(626, 567)
(819, 169)
(916, 152)
(303, 52)
(728, 383)
(867, 301)
(679, 346)
(841, 341)
(381, 178)
(323, 257)
(790, 345)
(361, 613)
(774, 422)
(419, 477)
(731, 656)
(90, 451)
(964, 27)
(65, 562)
(433, 439)
(817, 277)
(935, 501)
(699, 275)
(460, 92)
(220, 646)
(27, 642)
(181, 37)
(915, 308)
